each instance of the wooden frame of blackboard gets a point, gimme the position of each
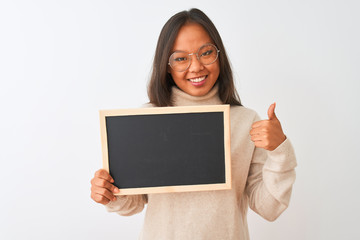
(224, 109)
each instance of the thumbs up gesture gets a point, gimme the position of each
(268, 134)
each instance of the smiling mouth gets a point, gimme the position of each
(197, 80)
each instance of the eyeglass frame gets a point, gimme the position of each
(197, 56)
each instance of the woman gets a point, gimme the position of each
(191, 68)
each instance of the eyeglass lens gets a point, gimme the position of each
(181, 60)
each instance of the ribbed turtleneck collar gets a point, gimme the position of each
(181, 98)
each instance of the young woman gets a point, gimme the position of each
(191, 68)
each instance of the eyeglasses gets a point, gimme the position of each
(180, 60)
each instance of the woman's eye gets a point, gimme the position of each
(207, 53)
(180, 59)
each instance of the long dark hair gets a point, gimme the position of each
(161, 82)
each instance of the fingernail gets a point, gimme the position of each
(114, 199)
(112, 180)
(116, 190)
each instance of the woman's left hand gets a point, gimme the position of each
(268, 134)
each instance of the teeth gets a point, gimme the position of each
(196, 80)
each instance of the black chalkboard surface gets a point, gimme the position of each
(171, 149)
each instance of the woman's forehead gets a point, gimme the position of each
(191, 37)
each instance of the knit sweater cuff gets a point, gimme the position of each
(282, 158)
(114, 205)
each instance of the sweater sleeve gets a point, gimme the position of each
(270, 180)
(127, 205)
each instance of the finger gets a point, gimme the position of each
(102, 173)
(263, 143)
(264, 129)
(271, 111)
(99, 198)
(103, 192)
(254, 132)
(259, 144)
(99, 182)
(259, 123)
(256, 138)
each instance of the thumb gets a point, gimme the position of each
(271, 112)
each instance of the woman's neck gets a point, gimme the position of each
(181, 98)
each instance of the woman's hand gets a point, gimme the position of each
(102, 189)
(268, 134)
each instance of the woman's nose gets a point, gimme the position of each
(195, 65)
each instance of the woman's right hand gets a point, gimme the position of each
(102, 189)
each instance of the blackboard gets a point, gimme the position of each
(167, 149)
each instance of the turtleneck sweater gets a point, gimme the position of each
(261, 180)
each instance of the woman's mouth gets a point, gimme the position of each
(198, 81)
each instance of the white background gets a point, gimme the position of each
(62, 61)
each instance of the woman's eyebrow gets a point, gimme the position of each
(176, 50)
(179, 50)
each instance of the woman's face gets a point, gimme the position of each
(198, 79)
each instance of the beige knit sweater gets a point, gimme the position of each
(260, 179)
